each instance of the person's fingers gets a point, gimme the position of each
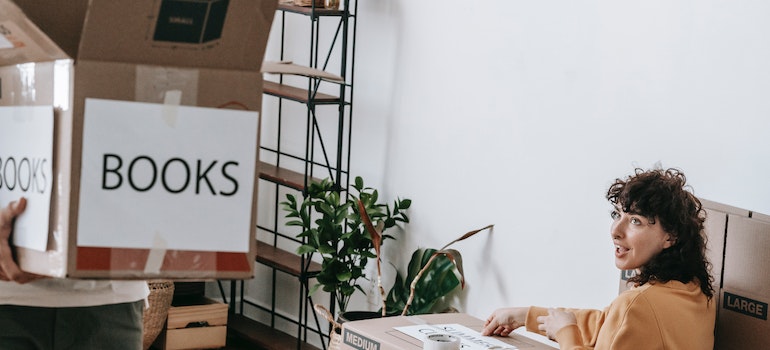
(13, 210)
(7, 265)
(19, 206)
(25, 277)
(9, 270)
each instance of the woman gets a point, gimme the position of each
(657, 230)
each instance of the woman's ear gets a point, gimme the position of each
(669, 242)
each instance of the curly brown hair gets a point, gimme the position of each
(665, 196)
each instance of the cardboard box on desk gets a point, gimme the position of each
(136, 189)
(380, 333)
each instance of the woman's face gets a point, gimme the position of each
(636, 239)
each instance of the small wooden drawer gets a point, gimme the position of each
(199, 323)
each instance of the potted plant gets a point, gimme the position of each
(433, 275)
(332, 228)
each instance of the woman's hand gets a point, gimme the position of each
(9, 271)
(555, 321)
(503, 321)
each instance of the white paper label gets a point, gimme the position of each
(26, 155)
(177, 174)
(469, 339)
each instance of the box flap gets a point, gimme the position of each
(185, 33)
(62, 21)
(21, 41)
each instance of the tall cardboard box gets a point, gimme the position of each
(107, 217)
(743, 309)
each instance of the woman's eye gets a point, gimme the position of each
(614, 215)
(636, 221)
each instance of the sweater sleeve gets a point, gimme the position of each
(628, 322)
(583, 335)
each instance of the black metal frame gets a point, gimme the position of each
(345, 36)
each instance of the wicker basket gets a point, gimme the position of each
(154, 319)
(335, 336)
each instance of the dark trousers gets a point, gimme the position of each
(117, 326)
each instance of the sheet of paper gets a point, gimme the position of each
(159, 176)
(26, 170)
(471, 340)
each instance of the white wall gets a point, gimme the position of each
(521, 113)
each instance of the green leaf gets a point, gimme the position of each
(314, 288)
(305, 249)
(295, 223)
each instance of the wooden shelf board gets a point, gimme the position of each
(296, 94)
(282, 260)
(242, 329)
(307, 10)
(286, 177)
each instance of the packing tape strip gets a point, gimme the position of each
(437, 341)
(171, 101)
(156, 256)
(441, 342)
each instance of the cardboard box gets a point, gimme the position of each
(742, 321)
(118, 62)
(197, 324)
(380, 333)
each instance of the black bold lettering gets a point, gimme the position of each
(45, 178)
(233, 180)
(13, 171)
(186, 180)
(131, 173)
(39, 175)
(204, 177)
(19, 174)
(114, 170)
(35, 168)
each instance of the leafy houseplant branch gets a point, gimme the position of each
(376, 235)
(453, 255)
(332, 227)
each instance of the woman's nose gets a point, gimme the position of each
(616, 229)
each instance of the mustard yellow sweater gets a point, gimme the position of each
(671, 316)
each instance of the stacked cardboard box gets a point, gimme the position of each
(138, 189)
(744, 296)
